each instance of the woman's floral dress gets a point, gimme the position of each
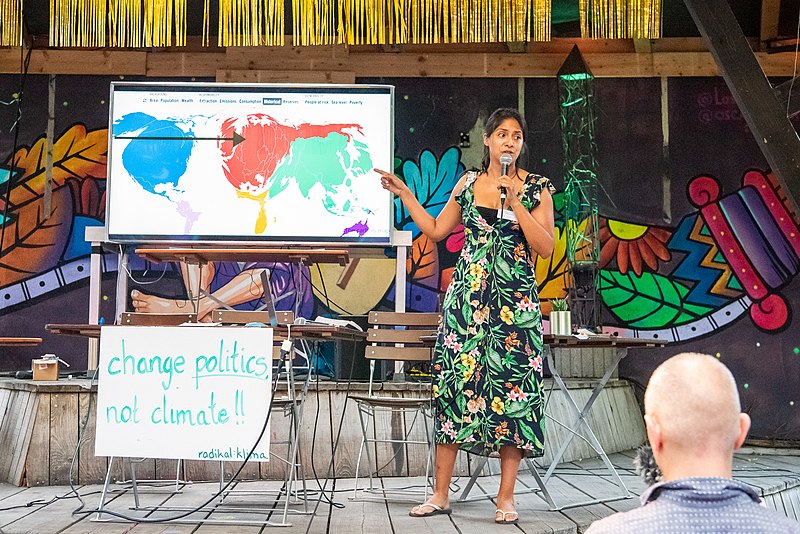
(488, 357)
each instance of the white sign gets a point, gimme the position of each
(179, 392)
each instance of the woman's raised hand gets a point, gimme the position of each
(391, 183)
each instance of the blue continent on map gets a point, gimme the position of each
(156, 165)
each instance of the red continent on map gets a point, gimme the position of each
(249, 165)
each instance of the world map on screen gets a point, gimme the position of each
(261, 160)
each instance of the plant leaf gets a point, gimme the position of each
(467, 431)
(559, 209)
(502, 269)
(527, 319)
(452, 322)
(530, 436)
(493, 358)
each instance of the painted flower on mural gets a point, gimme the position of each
(634, 246)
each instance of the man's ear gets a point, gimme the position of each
(485, 140)
(654, 434)
(744, 428)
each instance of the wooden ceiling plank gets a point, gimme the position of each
(770, 15)
(184, 64)
(92, 62)
(285, 76)
(169, 64)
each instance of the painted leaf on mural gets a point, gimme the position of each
(76, 154)
(648, 300)
(423, 263)
(33, 244)
(431, 182)
(551, 273)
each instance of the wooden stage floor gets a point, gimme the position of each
(776, 473)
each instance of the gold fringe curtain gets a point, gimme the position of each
(163, 20)
(125, 23)
(620, 19)
(117, 23)
(156, 23)
(78, 23)
(250, 22)
(314, 22)
(10, 22)
(439, 21)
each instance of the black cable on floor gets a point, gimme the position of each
(334, 447)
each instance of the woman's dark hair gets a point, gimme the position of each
(494, 121)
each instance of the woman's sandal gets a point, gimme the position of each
(435, 510)
(502, 518)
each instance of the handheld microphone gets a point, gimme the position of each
(505, 162)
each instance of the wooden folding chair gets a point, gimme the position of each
(395, 337)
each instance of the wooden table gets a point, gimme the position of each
(601, 340)
(580, 426)
(310, 332)
(591, 341)
(201, 256)
(19, 341)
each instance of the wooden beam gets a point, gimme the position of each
(285, 76)
(643, 46)
(770, 15)
(677, 64)
(456, 65)
(184, 64)
(752, 91)
(98, 62)
(677, 59)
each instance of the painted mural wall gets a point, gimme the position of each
(699, 245)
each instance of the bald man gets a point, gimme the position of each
(694, 423)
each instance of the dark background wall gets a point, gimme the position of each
(707, 136)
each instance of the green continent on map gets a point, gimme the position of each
(329, 161)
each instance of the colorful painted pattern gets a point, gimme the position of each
(735, 255)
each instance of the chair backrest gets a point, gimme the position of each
(396, 336)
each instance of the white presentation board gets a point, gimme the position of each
(197, 393)
(249, 163)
